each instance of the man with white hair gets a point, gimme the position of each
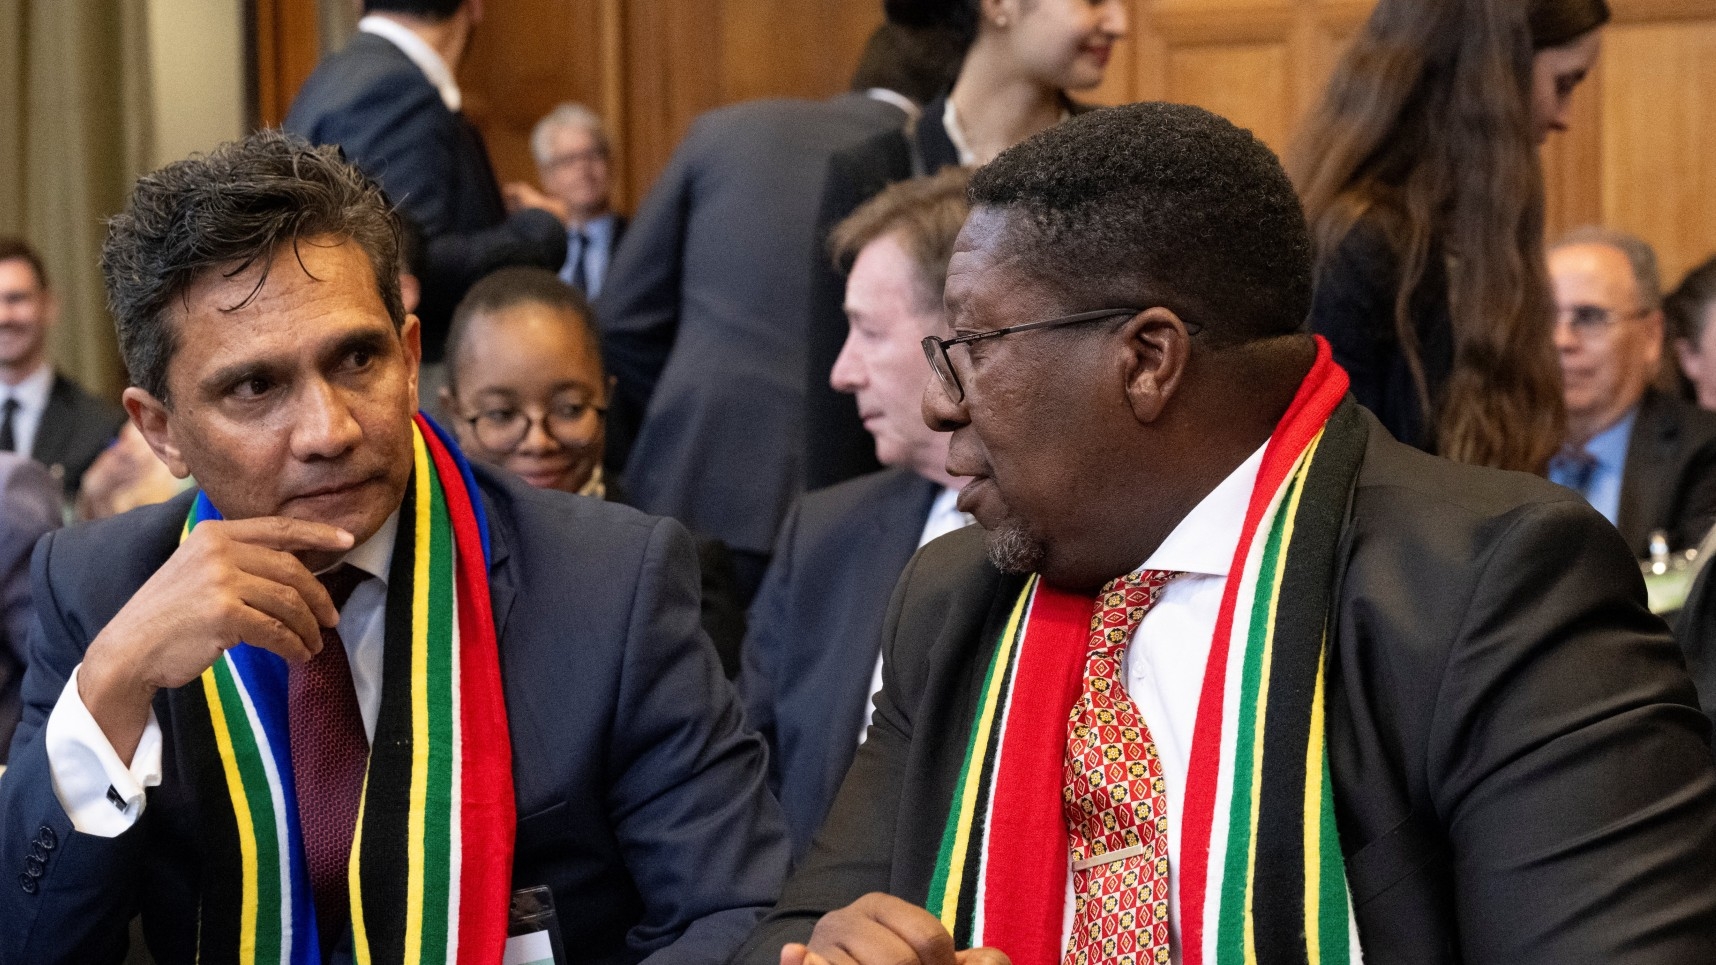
(572, 153)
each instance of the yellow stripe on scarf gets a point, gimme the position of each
(419, 705)
(1296, 482)
(241, 811)
(980, 749)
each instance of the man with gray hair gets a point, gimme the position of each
(573, 155)
(1644, 459)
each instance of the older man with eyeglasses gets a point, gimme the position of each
(1642, 458)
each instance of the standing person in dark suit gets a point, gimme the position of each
(526, 393)
(1232, 675)
(812, 653)
(390, 100)
(573, 160)
(450, 685)
(703, 315)
(1642, 458)
(29, 509)
(1024, 59)
(1422, 182)
(43, 413)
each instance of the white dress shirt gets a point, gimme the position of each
(944, 517)
(1165, 659)
(420, 53)
(32, 396)
(104, 797)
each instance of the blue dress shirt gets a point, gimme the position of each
(1604, 469)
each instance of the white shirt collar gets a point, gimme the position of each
(1206, 539)
(944, 516)
(895, 98)
(375, 555)
(32, 393)
(420, 53)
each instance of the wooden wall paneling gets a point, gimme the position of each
(284, 47)
(1572, 162)
(673, 73)
(1236, 62)
(1658, 163)
(799, 48)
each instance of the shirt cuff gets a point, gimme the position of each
(99, 793)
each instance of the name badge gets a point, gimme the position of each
(533, 933)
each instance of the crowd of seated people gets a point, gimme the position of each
(1251, 564)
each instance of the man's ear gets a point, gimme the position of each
(411, 338)
(1157, 347)
(155, 421)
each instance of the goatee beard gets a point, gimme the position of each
(1013, 550)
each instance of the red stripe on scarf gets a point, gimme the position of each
(1024, 897)
(488, 812)
(1323, 388)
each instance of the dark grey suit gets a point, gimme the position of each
(1522, 775)
(642, 799)
(702, 314)
(816, 629)
(75, 428)
(1670, 477)
(372, 101)
(29, 508)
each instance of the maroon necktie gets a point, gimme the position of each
(329, 755)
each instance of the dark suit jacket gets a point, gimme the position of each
(1521, 772)
(816, 629)
(372, 101)
(1353, 307)
(30, 502)
(1670, 478)
(75, 428)
(836, 445)
(642, 800)
(702, 315)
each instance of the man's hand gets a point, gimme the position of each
(231, 581)
(520, 195)
(880, 929)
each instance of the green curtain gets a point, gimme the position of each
(74, 136)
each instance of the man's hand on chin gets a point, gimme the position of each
(880, 929)
(230, 580)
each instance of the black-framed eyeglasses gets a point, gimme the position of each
(1587, 321)
(935, 348)
(502, 429)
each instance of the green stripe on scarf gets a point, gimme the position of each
(265, 832)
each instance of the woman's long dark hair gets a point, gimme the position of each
(1427, 125)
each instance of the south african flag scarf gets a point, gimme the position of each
(1261, 875)
(431, 862)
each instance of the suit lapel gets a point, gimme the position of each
(55, 429)
(1649, 454)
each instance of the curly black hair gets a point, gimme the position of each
(1158, 204)
(225, 211)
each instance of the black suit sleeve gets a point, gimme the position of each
(638, 310)
(86, 889)
(703, 839)
(1568, 760)
(771, 617)
(852, 855)
(1353, 308)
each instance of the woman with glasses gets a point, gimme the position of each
(1420, 177)
(526, 392)
(1024, 60)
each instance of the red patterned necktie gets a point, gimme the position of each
(329, 755)
(1116, 805)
